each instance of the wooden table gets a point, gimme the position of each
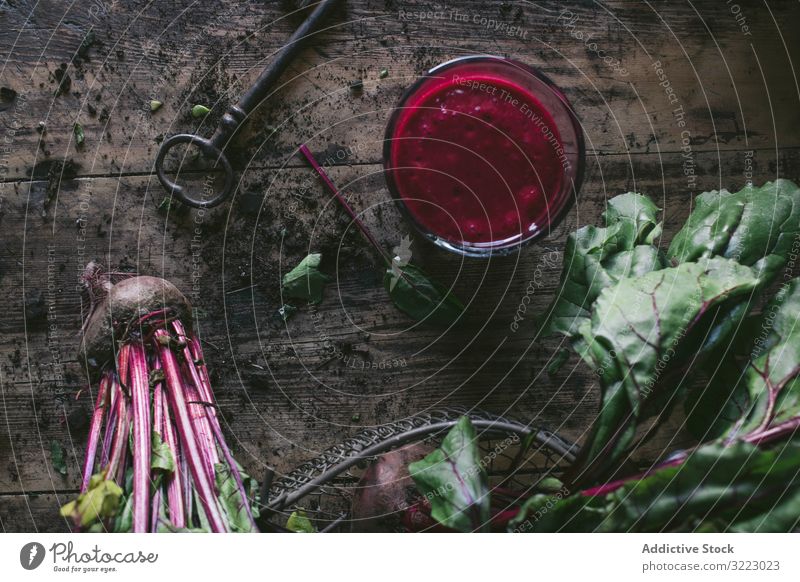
(676, 98)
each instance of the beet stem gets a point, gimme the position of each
(200, 412)
(94, 431)
(193, 351)
(197, 412)
(119, 443)
(177, 400)
(111, 420)
(345, 204)
(142, 436)
(175, 494)
(186, 483)
(156, 509)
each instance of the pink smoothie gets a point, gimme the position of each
(477, 159)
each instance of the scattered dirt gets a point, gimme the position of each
(62, 79)
(82, 54)
(55, 172)
(34, 306)
(7, 98)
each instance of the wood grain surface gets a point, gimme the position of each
(663, 89)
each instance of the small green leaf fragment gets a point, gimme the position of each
(156, 376)
(306, 281)
(80, 136)
(453, 479)
(155, 105)
(161, 457)
(100, 501)
(199, 111)
(299, 523)
(230, 497)
(550, 485)
(419, 296)
(57, 457)
(558, 360)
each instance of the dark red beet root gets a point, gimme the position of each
(386, 498)
(125, 303)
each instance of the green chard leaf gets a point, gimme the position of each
(596, 258)
(714, 409)
(453, 480)
(306, 281)
(756, 226)
(719, 487)
(759, 398)
(772, 377)
(420, 297)
(161, 456)
(299, 523)
(57, 457)
(643, 335)
(231, 498)
(123, 523)
(201, 512)
(99, 502)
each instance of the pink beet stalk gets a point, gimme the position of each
(140, 401)
(122, 365)
(194, 352)
(158, 406)
(119, 443)
(111, 420)
(197, 412)
(155, 511)
(175, 491)
(201, 400)
(94, 431)
(135, 333)
(183, 422)
(213, 421)
(186, 482)
(196, 355)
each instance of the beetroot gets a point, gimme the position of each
(386, 498)
(130, 299)
(156, 457)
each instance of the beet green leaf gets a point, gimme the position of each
(453, 480)
(597, 257)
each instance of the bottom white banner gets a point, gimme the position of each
(386, 557)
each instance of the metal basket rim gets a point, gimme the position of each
(485, 423)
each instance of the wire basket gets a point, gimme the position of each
(515, 455)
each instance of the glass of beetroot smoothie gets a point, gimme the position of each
(484, 154)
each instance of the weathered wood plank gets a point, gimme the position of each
(32, 513)
(718, 74)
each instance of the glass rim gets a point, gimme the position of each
(491, 248)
